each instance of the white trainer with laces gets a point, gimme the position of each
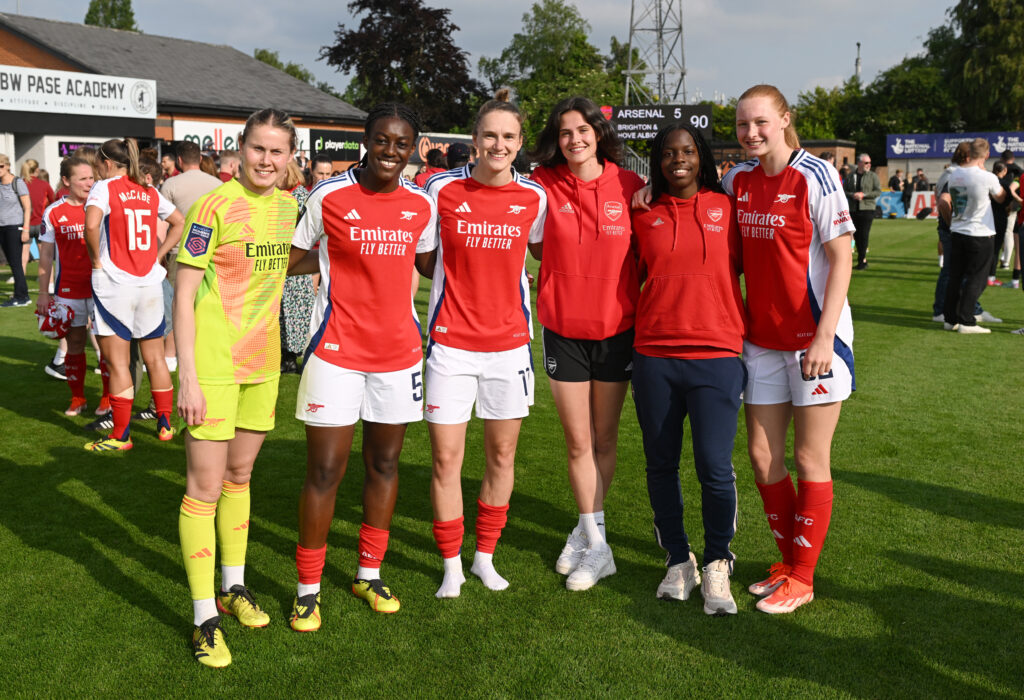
(596, 563)
(972, 329)
(715, 588)
(572, 552)
(679, 580)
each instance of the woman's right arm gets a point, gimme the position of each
(191, 402)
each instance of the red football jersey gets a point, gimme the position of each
(480, 298)
(128, 240)
(63, 224)
(364, 318)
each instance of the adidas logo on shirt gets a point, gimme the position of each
(464, 208)
(353, 215)
(62, 219)
(566, 209)
(658, 222)
(745, 197)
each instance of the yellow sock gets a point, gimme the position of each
(233, 523)
(198, 545)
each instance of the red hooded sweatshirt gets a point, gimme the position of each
(588, 283)
(689, 253)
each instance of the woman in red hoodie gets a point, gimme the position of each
(689, 334)
(586, 302)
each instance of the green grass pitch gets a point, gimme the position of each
(918, 589)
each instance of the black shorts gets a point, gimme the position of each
(570, 360)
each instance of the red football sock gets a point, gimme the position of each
(490, 520)
(448, 535)
(163, 399)
(373, 544)
(105, 374)
(74, 369)
(310, 563)
(779, 501)
(122, 414)
(813, 513)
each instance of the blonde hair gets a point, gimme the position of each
(979, 148)
(292, 176)
(29, 169)
(273, 118)
(777, 98)
(502, 102)
(4, 160)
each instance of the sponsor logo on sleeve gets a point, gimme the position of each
(842, 218)
(198, 239)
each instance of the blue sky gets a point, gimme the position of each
(729, 44)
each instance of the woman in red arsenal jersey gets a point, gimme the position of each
(586, 302)
(794, 222)
(127, 283)
(365, 357)
(479, 347)
(689, 334)
(63, 230)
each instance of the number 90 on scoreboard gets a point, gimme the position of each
(642, 122)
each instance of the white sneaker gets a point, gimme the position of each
(715, 589)
(679, 580)
(987, 318)
(597, 562)
(973, 329)
(950, 326)
(572, 552)
(939, 318)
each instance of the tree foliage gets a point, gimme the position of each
(403, 51)
(272, 58)
(113, 14)
(550, 59)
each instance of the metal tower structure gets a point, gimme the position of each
(657, 71)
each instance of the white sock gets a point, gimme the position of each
(58, 357)
(203, 610)
(451, 584)
(588, 521)
(367, 574)
(307, 588)
(231, 576)
(483, 566)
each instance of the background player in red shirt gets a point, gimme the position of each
(127, 283)
(794, 222)
(365, 357)
(63, 229)
(689, 334)
(586, 302)
(480, 328)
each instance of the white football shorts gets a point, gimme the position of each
(330, 395)
(501, 384)
(774, 376)
(81, 307)
(125, 310)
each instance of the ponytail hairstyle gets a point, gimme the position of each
(124, 152)
(609, 146)
(386, 110)
(149, 166)
(773, 93)
(29, 169)
(962, 154)
(502, 102)
(707, 173)
(274, 118)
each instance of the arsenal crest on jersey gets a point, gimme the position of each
(613, 210)
(715, 214)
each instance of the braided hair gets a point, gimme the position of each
(386, 110)
(707, 175)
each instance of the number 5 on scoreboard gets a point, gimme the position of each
(139, 236)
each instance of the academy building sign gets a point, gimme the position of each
(65, 92)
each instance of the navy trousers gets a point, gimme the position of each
(666, 391)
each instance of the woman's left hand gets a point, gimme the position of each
(818, 358)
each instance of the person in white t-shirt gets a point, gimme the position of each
(967, 208)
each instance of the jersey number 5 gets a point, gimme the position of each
(139, 237)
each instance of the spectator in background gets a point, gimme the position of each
(15, 213)
(41, 196)
(208, 166)
(1008, 159)
(457, 156)
(183, 190)
(299, 290)
(829, 157)
(1001, 218)
(862, 188)
(435, 164)
(302, 161)
(897, 182)
(229, 162)
(320, 169)
(167, 163)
